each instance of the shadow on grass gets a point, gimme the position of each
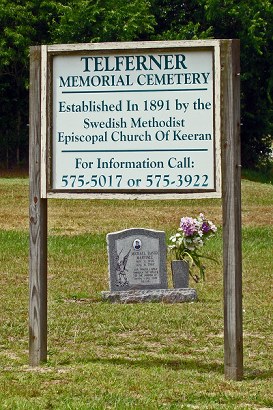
(183, 364)
(251, 374)
(173, 364)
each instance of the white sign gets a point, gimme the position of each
(134, 121)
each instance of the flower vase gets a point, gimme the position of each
(180, 274)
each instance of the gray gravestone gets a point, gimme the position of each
(180, 274)
(137, 269)
(137, 259)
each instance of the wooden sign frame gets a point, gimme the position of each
(209, 155)
(230, 174)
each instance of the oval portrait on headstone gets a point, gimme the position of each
(137, 244)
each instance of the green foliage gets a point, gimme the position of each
(251, 22)
(177, 20)
(22, 24)
(107, 20)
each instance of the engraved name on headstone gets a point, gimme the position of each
(137, 259)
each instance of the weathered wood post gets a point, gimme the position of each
(38, 223)
(231, 187)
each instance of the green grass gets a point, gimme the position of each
(142, 356)
(265, 175)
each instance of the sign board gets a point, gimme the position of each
(128, 120)
(137, 120)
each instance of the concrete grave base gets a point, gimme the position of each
(154, 295)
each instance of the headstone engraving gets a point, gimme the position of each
(137, 259)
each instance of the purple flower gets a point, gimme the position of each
(188, 226)
(206, 227)
(190, 237)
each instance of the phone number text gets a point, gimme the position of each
(151, 181)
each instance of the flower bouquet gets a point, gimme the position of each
(190, 237)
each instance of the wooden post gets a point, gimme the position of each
(232, 240)
(38, 223)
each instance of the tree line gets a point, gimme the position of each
(34, 22)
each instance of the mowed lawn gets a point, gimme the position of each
(137, 356)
